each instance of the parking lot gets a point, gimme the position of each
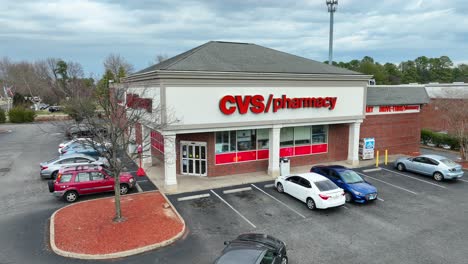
(415, 220)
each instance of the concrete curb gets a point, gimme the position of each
(117, 254)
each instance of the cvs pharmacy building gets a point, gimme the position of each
(233, 108)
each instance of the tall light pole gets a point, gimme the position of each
(331, 4)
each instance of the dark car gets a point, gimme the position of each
(254, 249)
(55, 108)
(356, 188)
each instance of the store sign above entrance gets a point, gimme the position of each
(257, 104)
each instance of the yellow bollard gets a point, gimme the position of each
(377, 159)
(386, 156)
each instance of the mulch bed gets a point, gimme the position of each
(87, 227)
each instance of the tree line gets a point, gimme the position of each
(421, 70)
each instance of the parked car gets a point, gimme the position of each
(254, 249)
(355, 187)
(50, 169)
(439, 167)
(55, 108)
(43, 106)
(313, 189)
(95, 151)
(75, 181)
(79, 142)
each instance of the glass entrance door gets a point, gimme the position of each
(193, 158)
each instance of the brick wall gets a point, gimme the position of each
(435, 118)
(337, 144)
(399, 133)
(138, 134)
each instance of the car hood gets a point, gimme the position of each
(362, 187)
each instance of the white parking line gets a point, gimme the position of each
(269, 185)
(380, 199)
(278, 201)
(414, 178)
(393, 185)
(370, 170)
(344, 206)
(462, 180)
(234, 209)
(192, 197)
(237, 190)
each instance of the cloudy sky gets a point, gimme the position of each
(87, 30)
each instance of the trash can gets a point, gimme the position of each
(284, 166)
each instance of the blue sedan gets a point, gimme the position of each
(356, 188)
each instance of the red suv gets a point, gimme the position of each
(73, 181)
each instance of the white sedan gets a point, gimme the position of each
(313, 189)
(80, 141)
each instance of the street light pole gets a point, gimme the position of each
(331, 4)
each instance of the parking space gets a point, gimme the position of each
(413, 215)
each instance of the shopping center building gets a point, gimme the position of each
(232, 108)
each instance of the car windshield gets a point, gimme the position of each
(350, 177)
(108, 172)
(325, 185)
(449, 162)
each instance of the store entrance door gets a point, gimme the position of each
(193, 158)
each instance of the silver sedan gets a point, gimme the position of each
(436, 166)
(49, 169)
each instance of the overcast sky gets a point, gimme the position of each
(86, 31)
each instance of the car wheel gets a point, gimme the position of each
(280, 188)
(438, 176)
(348, 197)
(123, 189)
(310, 203)
(53, 176)
(71, 196)
(401, 167)
(284, 260)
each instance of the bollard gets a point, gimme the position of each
(386, 156)
(377, 159)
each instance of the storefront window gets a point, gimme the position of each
(302, 135)
(287, 137)
(319, 134)
(263, 138)
(246, 140)
(225, 141)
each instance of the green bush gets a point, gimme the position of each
(2, 116)
(21, 115)
(439, 138)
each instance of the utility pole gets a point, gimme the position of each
(331, 4)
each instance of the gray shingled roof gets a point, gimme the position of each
(217, 56)
(396, 95)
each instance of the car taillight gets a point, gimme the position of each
(64, 151)
(343, 194)
(324, 197)
(44, 167)
(58, 177)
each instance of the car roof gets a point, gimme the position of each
(312, 176)
(432, 156)
(241, 254)
(73, 168)
(74, 155)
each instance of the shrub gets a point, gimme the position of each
(21, 115)
(2, 116)
(439, 138)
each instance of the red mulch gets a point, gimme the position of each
(87, 227)
(464, 164)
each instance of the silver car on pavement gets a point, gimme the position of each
(49, 169)
(436, 166)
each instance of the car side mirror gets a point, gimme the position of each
(227, 243)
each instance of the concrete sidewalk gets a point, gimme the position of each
(198, 183)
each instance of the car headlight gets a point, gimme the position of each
(131, 180)
(357, 193)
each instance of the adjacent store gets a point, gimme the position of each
(233, 108)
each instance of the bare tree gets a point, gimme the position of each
(118, 66)
(158, 59)
(453, 106)
(113, 124)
